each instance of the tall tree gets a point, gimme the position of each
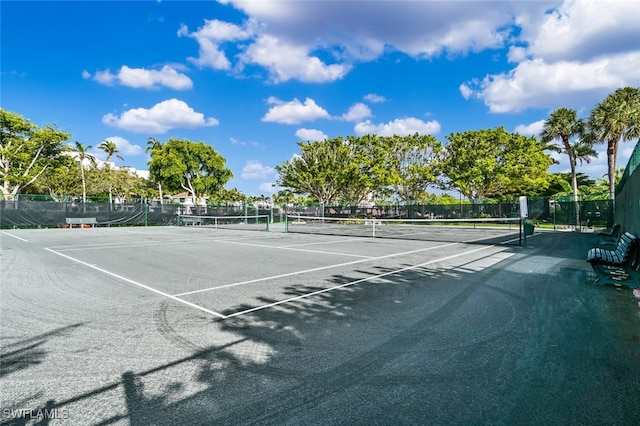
(367, 169)
(183, 165)
(321, 169)
(495, 163)
(58, 181)
(155, 144)
(614, 119)
(82, 155)
(416, 162)
(111, 149)
(26, 151)
(564, 124)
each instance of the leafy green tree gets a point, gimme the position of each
(154, 144)
(125, 184)
(284, 196)
(614, 119)
(322, 169)
(494, 163)
(82, 153)
(367, 169)
(61, 180)
(111, 149)
(230, 195)
(560, 185)
(183, 165)
(26, 152)
(416, 162)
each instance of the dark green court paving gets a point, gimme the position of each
(188, 325)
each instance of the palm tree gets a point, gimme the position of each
(154, 144)
(82, 154)
(563, 124)
(110, 148)
(616, 118)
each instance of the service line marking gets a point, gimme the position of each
(306, 271)
(120, 277)
(397, 271)
(14, 236)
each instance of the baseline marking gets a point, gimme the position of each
(18, 238)
(408, 268)
(104, 271)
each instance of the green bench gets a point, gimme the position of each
(620, 266)
(610, 236)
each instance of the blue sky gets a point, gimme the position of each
(252, 78)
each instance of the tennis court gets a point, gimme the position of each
(225, 272)
(199, 324)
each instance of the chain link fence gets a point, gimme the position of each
(552, 213)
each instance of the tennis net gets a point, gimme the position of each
(482, 231)
(245, 223)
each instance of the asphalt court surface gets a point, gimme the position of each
(188, 325)
(226, 272)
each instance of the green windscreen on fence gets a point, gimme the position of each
(627, 204)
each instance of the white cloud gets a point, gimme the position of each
(585, 29)
(420, 28)
(466, 91)
(268, 187)
(105, 77)
(533, 129)
(235, 141)
(357, 112)
(210, 38)
(321, 41)
(535, 83)
(294, 112)
(286, 61)
(255, 170)
(580, 51)
(311, 135)
(138, 78)
(374, 99)
(169, 114)
(125, 147)
(399, 126)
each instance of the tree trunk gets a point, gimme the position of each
(612, 151)
(574, 189)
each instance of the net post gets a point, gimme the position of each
(520, 234)
(286, 221)
(524, 213)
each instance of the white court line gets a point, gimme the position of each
(321, 268)
(103, 246)
(306, 271)
(104, 271)
(408, 268)
(18, 238)
(293, 249)
(324, 242)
